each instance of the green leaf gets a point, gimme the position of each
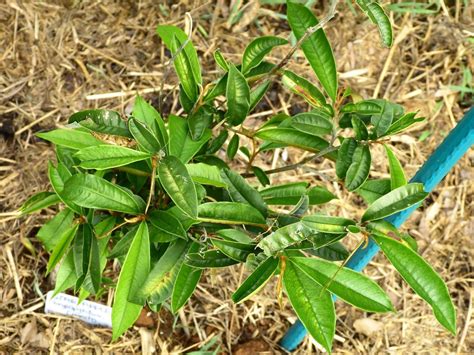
(234, 235)
(209, 259)
(159, 283)
(396, 200)
(217, 142)
(221, 61)
(256, 280)
(294, 138)
(312, 304)
(257, 94)
(181, 144)
(178, 184)
(168, 225)
(371, 190)
(403, 123)
(134, 272)
(144, 136)
(70, 138)
(230, 213)
(360, 130)
(348, 285)
(205, 174)
(312, 123)
(200, 121)
(66, 277)
(166, 32)
(102, 121)
(234, 250)
(61, 247)
(383, 120)
(108, 156)
(365, 107)
(49, 232)
(186, 282)
(92, 191)
(145, 113)
(261, 175)
(58, 177)
(344, 157)
(359, 169)
(284, 237)
(39, 201)
(241, 191)
(319, 195)
(233, 146)
(380, 18)
(286, 194)
(327, 224)
(238, 97)
(258, 49)
(123, 245)
(303, 88)
(421, 277)
(182, 65)
(334, 252)
(397, 175)
(316, 48)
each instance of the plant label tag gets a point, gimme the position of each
(90, 312)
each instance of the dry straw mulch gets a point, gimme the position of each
(60, 57)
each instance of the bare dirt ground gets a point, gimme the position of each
(58, 57)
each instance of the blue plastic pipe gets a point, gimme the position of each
(438, 165)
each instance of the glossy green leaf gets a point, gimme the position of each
(146, 113)
(206, 174)
(221, 61)
(132, 275)
(234, 250)
(380, 18)
(403, 123)
(181, 143)
(39, 201)
(92, 191)
(234, 235)
(365, 107)
(230, 213)
(311, 123)
(102, 121)
(256, 280)
(66, 277)
(303, 88)
(209, 259)
(144, 136)
(359, 169)
(186, 282)
(395, 201)
(261, 175)
(58, 177)
(258, 49)
(70, 138)
(184, 70)
(383, 120)
(397, 175)
(82, 250)
(167, 224)
(360, 129)
(166, 32)
(108, 156)
(348, 285)
(318, 195)
(160, 281)
(333, 252)
(345, 154)
(233, 146)
(218, 142)
(200, 121)
(257, 94)
(241, 191)
(61, 247)
(294, 138)
(284, 237)
(122, 246)
(327, 224)
(316, 48)
(55, 227)
(177, 183)
(421, 277)
(238, 97)
(371, 190)
(286, 194)
(312, 304)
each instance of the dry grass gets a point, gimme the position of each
(64, 56)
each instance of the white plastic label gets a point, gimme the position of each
(90, 312)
